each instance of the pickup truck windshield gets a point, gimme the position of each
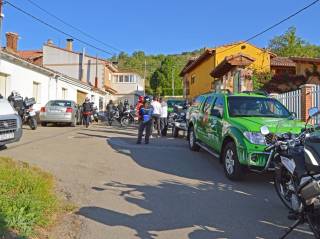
(241, 106)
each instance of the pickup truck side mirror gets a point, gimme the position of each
(216, 113)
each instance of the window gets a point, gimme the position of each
(120, 79)
(198, 101)
(64, 93)
(36, 91)
(126, 78)
(193, 79)
(208, 104)
(115, 78)
(218, 106)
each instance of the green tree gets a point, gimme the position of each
(289, 44)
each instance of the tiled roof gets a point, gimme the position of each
(305, 59)
(282, 61)
(33, 56)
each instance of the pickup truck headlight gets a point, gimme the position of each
(255, 138)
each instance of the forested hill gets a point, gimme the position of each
(158, 69)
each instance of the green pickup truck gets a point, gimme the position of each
(228, 126)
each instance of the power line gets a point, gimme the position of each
(57, 29)
(73, 27)
(274, 25)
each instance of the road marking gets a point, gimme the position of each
(285, 227)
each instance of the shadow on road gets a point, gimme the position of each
(207, 210)
(204, 206)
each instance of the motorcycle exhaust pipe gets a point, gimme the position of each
(311, 190)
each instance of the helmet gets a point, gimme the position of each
(126, 101)
(141, 98)
(147, 99)
(87, 99)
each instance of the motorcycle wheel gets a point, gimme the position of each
(125, 121)
(314, 222)
(33, 123)
(175, 132)
(283, 180)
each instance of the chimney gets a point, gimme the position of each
(50, 42)
(12, 41)
(69, 44)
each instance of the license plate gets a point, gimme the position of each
(7, 136)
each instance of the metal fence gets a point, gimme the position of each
(292, 100)
(315, 97)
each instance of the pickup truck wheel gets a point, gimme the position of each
(192, 140)
(231, 165)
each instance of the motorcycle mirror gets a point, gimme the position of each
(264, 130)
(313, 111)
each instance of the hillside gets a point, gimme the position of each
(156, 67)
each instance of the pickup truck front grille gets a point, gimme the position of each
(10, 124)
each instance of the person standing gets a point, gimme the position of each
(164, 117)
(156, 114)
(109, 108)
(138, 107)
(86, 111)
(145, 113)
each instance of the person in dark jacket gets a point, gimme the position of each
(146, 111)
(86, 111)
(110, 109)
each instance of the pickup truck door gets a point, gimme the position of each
(215, 124)
(203, 119)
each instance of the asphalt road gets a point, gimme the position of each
(161, 190)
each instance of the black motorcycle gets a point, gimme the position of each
(297, 173)
(179, 124)
(25, 110)
(128, 118)
(113, 115)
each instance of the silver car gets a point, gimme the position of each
(59, 111)
(10, 124)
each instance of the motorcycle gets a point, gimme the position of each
(180, 124)
(297, 173)
(113, 116)
(25, 110)
(95, 115)
(128, 118)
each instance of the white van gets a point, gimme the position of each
(10, 124)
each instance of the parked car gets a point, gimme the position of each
(228, 126)
(10, 124)
(173, 102)
(59, 111)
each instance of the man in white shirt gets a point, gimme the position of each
(164, 117)
(156, 114)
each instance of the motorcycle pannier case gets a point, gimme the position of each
(312, 154)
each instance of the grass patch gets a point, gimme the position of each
(27, 198)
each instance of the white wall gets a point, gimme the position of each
(20, 78)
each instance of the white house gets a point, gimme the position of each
(43, 84)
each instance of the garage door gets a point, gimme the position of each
(81, 96)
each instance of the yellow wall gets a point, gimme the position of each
(203, 78)
(202, 72)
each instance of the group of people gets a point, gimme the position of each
(152, 114)
(121, 107)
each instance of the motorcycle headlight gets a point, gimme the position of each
(255, 138)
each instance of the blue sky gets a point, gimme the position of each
(161, 26)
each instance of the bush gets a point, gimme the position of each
(27, 198)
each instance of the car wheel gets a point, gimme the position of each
(175, 132)
(43, 124)
(232, 167)
(192, 140)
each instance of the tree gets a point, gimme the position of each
(289, 44)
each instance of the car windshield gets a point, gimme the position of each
(172, 103)
(240, 106)
(60, 103)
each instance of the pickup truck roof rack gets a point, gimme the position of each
(256, 92)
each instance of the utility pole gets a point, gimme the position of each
(172, 79)
(96, 78)
(144, 76)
